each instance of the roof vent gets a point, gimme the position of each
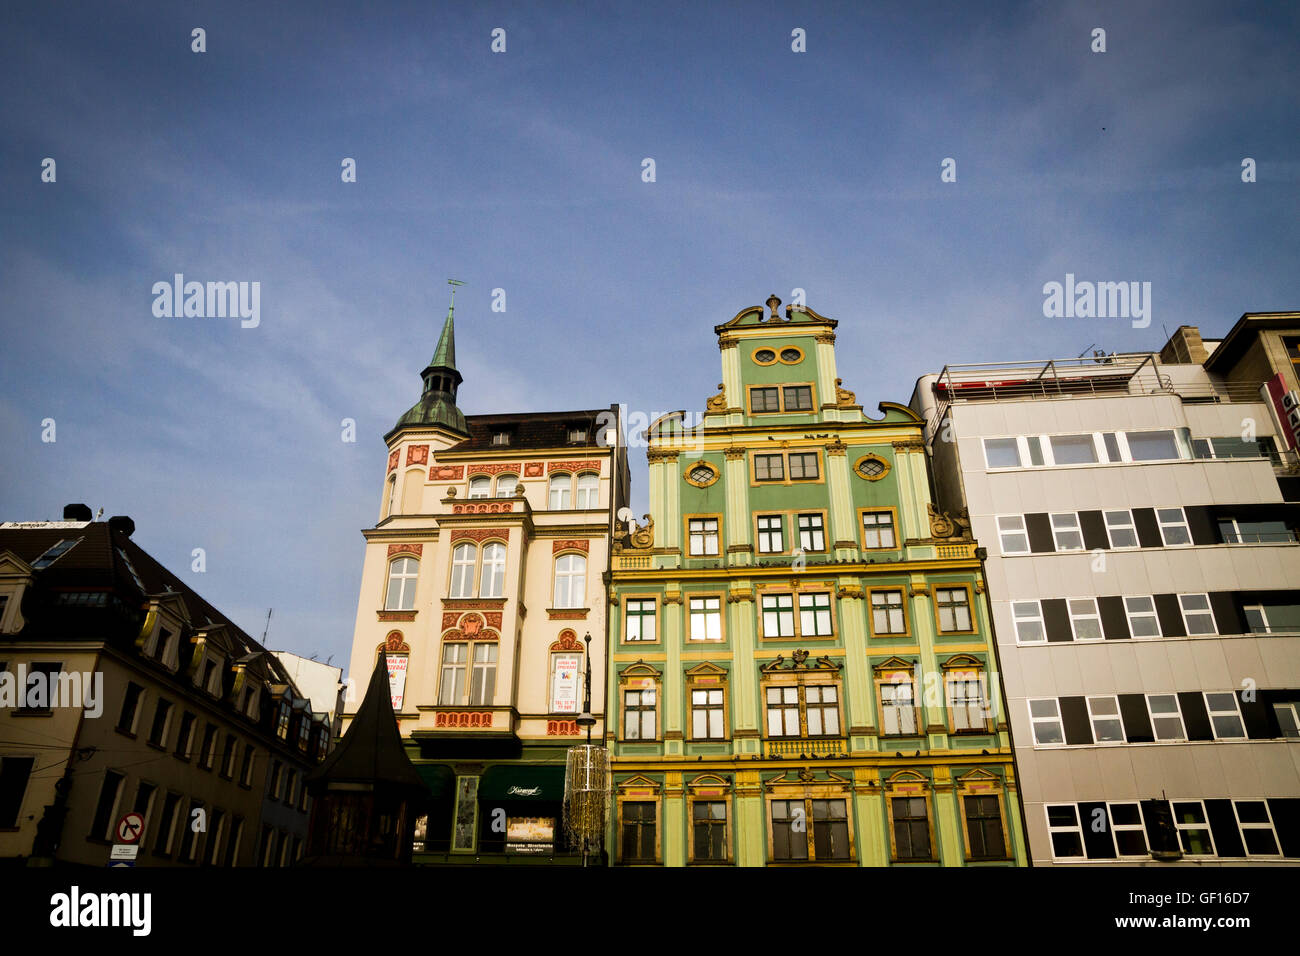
(77, 512)
(123, 524)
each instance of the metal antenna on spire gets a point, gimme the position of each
(454, 283)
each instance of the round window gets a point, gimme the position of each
(701, 474)
(871, 468)
(791, 355)
(763, 356)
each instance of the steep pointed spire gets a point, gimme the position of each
(437, 404)
(444, 356)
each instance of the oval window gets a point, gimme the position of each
(763, 356)
(701, 474)
(791, 355)
(871, 468)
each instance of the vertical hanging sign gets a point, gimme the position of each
(564, 686)
(397, 678)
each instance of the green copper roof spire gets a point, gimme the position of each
(437, 406)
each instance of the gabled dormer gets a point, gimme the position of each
(15, 578)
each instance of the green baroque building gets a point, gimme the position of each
(801, 669)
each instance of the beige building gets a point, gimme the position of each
(482, 580)
(122, 690)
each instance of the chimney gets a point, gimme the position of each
(121, 523)
(77, 512)
(1184, 347)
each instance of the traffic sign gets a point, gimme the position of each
(130, 828)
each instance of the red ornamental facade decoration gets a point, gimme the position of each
(479, 534)
(416, 548)
(493, 469)
(483, 508)
(568, 641)
(561, 728)
(533, 469)
(570, 544)
(452, 618)
(464, 718)
(417, 454)
(394, 644)
(392, 459)
(446, 472)
(593, 465)
(397, 615)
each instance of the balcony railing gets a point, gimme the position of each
(632, 562)
(806, 747)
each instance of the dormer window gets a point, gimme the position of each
(282, 721)
(501, 438)
(577, 435)
(54, 553)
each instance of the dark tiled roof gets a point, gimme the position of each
(532, 431)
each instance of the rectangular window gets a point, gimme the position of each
(783, 711)
(966, 703)
(803, 467)
(185, 739)
(638, 832)
(483, 677)
(984, 828)
(1173, 527)
(887, 613)
(1111, 441)
(189, 839)
(911, 828)
(228, 756)
(764, 400)
(878, 529)
(1073, 449)
(1288, 719)
(789, 831)
(208, 751)
(1193, 830)
(1120, 529)
(769, 468)
(101, 826)
(166, 825)
(778, 615)
(703, 535)
(639, 714)
(130, 707)
(1085, 622)
(1152, 446)
(1166, 718)
(798, 398)
(1107, 727)
(1045, 717)
(1028, 618)
(1197, 616)
(640, 619)
(1012, 536)
(823, 711)
(1002, 452)
(1065, 832)
(954, 609)
(1127, 827)
(831, 829)
(706, 714)
(1256, 826)
(1142, 618)
(14, 774)
(1035, 444)
(706, 619)
(246, 766)
(811, 531)
(1225, 718)
(232, 844)
(771, 539)
(897, 706)
(216, 823)
(709, 823)
(1066, 533)
(158, 730)
(815, 615)
(452, 688)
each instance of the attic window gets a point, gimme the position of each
(130, 567)
(501, 438)
(54, 553)
(577, 434)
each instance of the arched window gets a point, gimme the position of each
(402, 573)
(492, 582)
(462, 570)
(588, 491)
(570, 580)
(479, 487)
(506, 485)
(391, 498)
(561, 488)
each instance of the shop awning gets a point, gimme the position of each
(440, 780)
(516, 782)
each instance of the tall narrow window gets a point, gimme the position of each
(1107, 727)
(570, 580)
(1120, 529)
(815, 615)
(1066, 533)
(492, 580)
(105, 809)
(14, 774)
(1173, 527)
(831, 829)
(789, 830)
(1166, 718)
(1197, 616)
(1142, 619)
(878, 529)
(588, 492)
(463, 558)
(911, 828)
(158, 731)
(1193, 830)
(984, 828)
(130, 708)
(452, 688)
(887, 613)
(1028, 618)
(966, 701)
(638, 831)
(506, 486)
(560, 489)
(954, 609)
(821, 705)
(778, 615)
(897, 705)
(391, 506)
(703, 536)
(706, 714)
(402, 573)
(783, 711)
(480, 487)
(812, 535)
(1045, 718)
(771, 540)
(709, 820)
(639, 714)
(484, 676)
(640, 619)
(1085, 621)
(706, 619)
(1225, 718)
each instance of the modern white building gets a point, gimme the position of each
(321, 682)
(1140, 515)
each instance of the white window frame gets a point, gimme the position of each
(1077, 529)
(898, 707)
(1035, 720)
(705, 536)
(570, 581)
(1003, 532)
(482, 673)
(1020, 457)
(815, 533)
(889, 610)
(778, 613)
(1117, 828)
(1179, 826)
(480, 486)
(1092, 440)
(766, 534)
(1094, 615)
(449, 694)
(1117, 717)
(1076, 828)
(879, 529)
(1209, 609)
(463, 570)
(1130, 526)
(1270, 826)
(1162, 523)
(586, 496)
(501, 490)
(1259, 610)
(1130, 615)
(1036, 618)
(709, 619)
(817, 614)
(640, 618)
(1293, 709)
(492, 578)
(559, 492)
(1235, 713)
(404, 600)
(1153, 717)
(708, 713)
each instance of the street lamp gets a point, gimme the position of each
(586, 781)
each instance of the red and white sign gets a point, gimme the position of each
(1286, 406)
(130, 828)
(397, 678)
(564, 687)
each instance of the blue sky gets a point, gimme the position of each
(522, 171)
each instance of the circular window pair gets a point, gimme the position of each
(701, 474)
(871, 467)
(788, 356)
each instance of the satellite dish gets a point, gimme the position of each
(625, 514)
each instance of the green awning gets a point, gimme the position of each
(534, 782)
(440, 779)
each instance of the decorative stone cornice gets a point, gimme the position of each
(494, 469)
(849, 591)
(396, 615)
(592, 464)
(570, 544)
(417, 549)
(826, 338)
(660, 454)
(909, 444)
(837, 447)
(478, 534)
(733, 453)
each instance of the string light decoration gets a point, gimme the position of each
(586, 782)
